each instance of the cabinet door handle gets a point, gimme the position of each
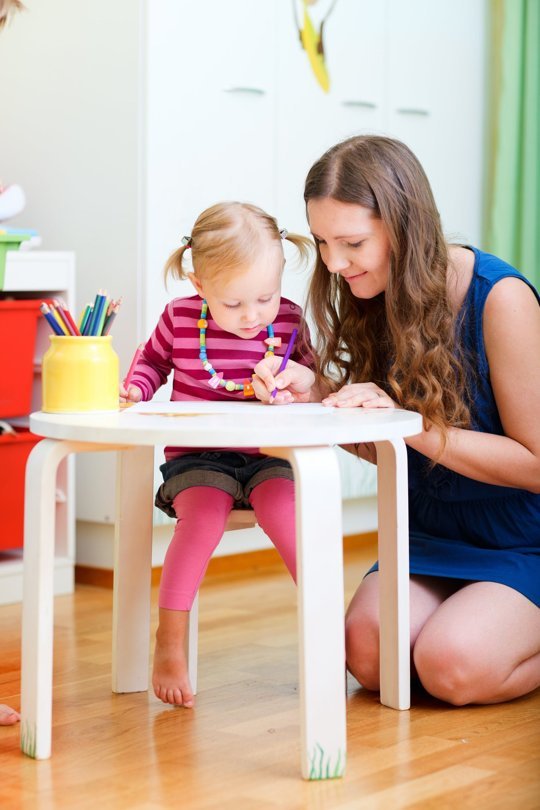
(252, 91)
(412, 111)
(366, 105)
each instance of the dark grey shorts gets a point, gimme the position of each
(235, 473)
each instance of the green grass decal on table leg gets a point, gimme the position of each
(28, 739)
(321, 765)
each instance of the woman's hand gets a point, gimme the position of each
(130, 394)
(359, 395)
(364, 450)
(295, 383)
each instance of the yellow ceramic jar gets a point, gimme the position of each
(80, 374)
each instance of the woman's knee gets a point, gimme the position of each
(451, 670)
(362, 648)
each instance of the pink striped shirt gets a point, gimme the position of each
(174, 346)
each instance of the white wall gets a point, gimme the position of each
(69, 135)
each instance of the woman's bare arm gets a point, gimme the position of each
(512, 340)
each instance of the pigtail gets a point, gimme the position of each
(303, 244)
(174, 265)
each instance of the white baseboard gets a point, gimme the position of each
(11, 578)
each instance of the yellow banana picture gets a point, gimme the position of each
(311, 38)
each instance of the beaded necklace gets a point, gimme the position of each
(216, 377)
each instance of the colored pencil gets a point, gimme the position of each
(88, 322)
(101, 321)
(134, 362)
(96, 312)
(111, 315)
(65, 318)
(51, 320)
(84, 318)
(59, 321)
(96, 317)
(70, 323)
(288, 352)
(95, 320)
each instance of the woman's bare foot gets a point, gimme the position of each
(8, 716)
(170, 677)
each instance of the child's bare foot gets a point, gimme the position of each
(8, 716)
(170, 677)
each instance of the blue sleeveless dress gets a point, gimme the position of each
(465, 529)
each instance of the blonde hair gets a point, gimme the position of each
(229, 236)
(407, 338)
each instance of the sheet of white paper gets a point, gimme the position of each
(193, 407)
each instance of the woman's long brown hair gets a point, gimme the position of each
(404, 339)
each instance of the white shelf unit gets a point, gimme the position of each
(42, 274)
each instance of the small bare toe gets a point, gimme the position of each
(177, 697)
(8, 716)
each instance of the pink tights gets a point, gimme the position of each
(202, 514)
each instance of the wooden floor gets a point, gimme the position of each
(239, 749)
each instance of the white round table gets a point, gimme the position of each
(302, 434)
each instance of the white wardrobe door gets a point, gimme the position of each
(210, 118)
(436, 70)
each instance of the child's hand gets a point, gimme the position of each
(294, 383)
(131, 394)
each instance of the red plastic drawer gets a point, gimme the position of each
(14, 452)
(18, 326)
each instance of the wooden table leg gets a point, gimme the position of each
(38, 591)
(320, 609)
(132, 570)
(37, 610)
(393, 510)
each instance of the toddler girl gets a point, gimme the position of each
(212, 341)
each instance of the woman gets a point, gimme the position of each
(406, 320)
